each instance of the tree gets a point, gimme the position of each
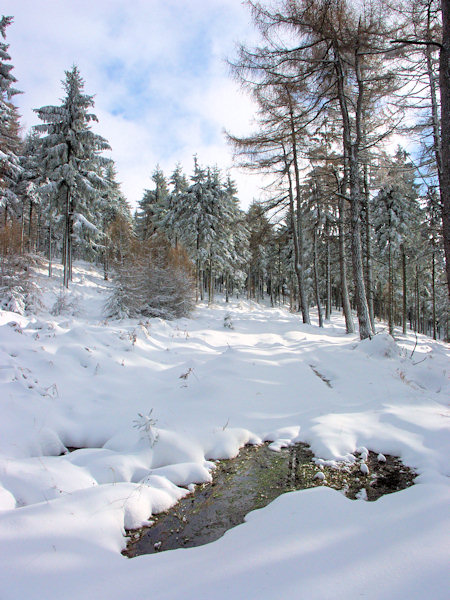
(152, 280)
(432, 38)
(444, 84)
(71, 160)
(10, 143)
(28, 186)
(261, 236)
(115, 216)
(170, 221)
(153, 206)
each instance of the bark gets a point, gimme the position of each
(299, 268)
(352, 150)
(346, 306)
(390, 292)
(30, 220)
(417, 303)
(444, 84)
(316, 279)
(66, 240)
(369, 270)
(433, 288)
(298, 254)
(328, 272)
(404, 298)
(22, 229)
(50, 253)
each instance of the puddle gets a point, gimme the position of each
(252, 480)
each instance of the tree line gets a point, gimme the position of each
(347, 225)
(333, 81)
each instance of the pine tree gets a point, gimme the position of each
(114, 214)
(394, 214)
(153, 206)
(171, 220)
(29, 188)
(9, 129)
(71, 160)
(261, 236)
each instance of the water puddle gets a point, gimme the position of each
(252, 480)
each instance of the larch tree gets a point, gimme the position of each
(423, 32)
(327, 55)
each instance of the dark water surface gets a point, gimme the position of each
(252, 480)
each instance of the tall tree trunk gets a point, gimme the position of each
(369, 271)
(298, 249)
(328, 271)
(404, 298)
(50, 255)
(433, 289)
(22, 229)
(444, 84)
(303, 299)
(346, 306)
(210, 283)
(316, 278)
(30, 221)
(417, 303)
(197, 270)
(352, 151)
(390, 292)
(66, 239)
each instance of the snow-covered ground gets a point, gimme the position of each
(151, 405)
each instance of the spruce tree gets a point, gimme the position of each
(153, 206)
(395, 214)
(71, 159)
(9, 128)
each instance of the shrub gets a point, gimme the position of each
(152, 280)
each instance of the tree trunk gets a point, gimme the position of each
(30, 217)
(316, 278)
(390, 292)
(433, 288)
(369, 272)
(22, 229)
(417, 303)
(444, 83)
(345, 298)
(404, 299)
(298, 250)
(328, 272)
(66, 240)
(50, 256)
(352, 152)
(303, 300)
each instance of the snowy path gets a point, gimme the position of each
(75, 380)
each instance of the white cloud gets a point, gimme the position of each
(157, 69)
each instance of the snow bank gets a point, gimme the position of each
(146, 407)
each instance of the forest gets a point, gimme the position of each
(349, 220)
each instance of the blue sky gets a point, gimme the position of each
(158, 72)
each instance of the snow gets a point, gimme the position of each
(150, 405)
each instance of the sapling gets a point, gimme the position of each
(147, 426)
(227, 322)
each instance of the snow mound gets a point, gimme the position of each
(381, 345)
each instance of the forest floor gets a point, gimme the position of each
(147, 407)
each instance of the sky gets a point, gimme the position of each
(158, 71)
